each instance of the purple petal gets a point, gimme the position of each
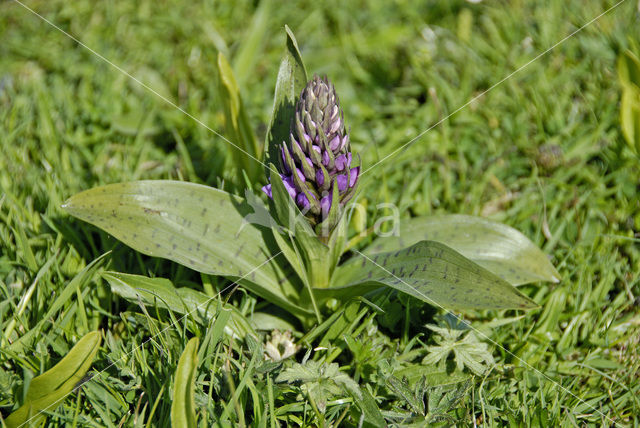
(319, 177)
(267, 190)
(325, 205)
(309, 162)
(353, 176)
(341, 162)
(288, 184)
(345, 139)
(335, 125)
(342, 182)
(302, 201)
(325, 158)
(316, 148)
(333, 144)
(307, 137)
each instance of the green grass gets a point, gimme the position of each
(541, 152)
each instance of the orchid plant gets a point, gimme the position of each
(294, 251)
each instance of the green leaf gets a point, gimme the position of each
(431, 272)
(237, 124)
(629, 77)
(468, 350)
(368, 406)
(434, 376)
(197, 226)
(161, 292)
(494, 246)
(292, 78)
(183, 405)
(400, 387)
(629, 69)
(51, 387)
(320, 381)
(630, 117)
(315, 255)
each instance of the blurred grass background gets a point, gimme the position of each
(541, 152)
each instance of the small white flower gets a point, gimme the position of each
(281, 346)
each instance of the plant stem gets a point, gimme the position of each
(313, 302)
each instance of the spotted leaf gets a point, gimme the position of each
(432, 272)
(197, 226)
(494, 246)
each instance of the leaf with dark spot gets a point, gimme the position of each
(164, 229)
(446, 279)
(494, 246)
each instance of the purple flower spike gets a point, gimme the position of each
(267, 190)
(319, 155)
(342, 182)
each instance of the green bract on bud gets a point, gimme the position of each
(316, 164)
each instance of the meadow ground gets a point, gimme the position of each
(542, 152)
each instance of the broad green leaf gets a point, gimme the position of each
(161, 292)
(292, 78)
(197, 226)
(494, 246)
(183, 405)
(51, 387)
(247, 151)
(432, 272)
